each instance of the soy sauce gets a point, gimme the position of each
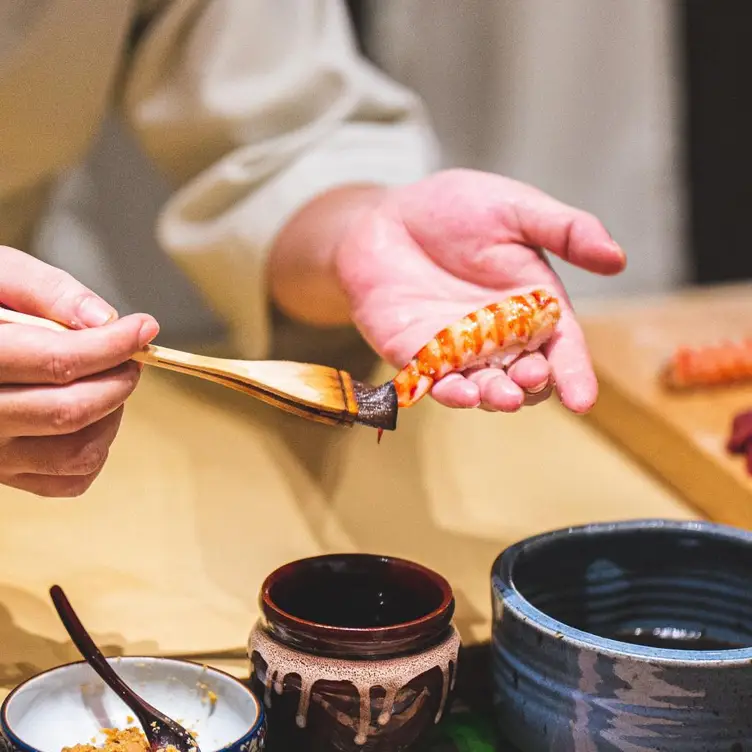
(356, 598)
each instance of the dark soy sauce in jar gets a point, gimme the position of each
(673, 638)
(351, 597)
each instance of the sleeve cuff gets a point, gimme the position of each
(220, 227)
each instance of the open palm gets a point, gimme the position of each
(433, 251)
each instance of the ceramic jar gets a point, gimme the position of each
(353, 652)
(625, 636)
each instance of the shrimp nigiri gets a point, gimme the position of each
(494, 336)
(712, 365)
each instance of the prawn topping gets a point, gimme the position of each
(714, 365)
(494, 336)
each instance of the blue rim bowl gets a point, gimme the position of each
(70, 705)
(625, 635)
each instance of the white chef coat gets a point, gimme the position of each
(250, 108)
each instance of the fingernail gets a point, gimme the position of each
(94, 311)
(539, 388)
(149, 330)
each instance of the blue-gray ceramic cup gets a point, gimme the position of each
(625, 636)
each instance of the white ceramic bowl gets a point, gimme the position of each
(71, 705)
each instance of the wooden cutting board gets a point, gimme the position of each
(682, 437)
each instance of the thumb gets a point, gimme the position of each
(469, 210)
(571, 234)
(31, 286)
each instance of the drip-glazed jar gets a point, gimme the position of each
(353, 652)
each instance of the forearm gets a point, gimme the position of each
(302, 277)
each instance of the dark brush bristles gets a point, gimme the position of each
(377, 405)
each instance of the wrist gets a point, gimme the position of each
(302, 267)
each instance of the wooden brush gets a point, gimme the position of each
(319, 393)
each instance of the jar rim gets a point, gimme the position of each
(440, 616)
(509, 598)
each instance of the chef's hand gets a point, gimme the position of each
(61, 393)
(406, 262)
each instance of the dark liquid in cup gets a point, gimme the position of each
(673, 638)
(356, 598)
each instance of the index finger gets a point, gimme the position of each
(33, 355)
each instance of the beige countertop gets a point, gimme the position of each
(206, 491)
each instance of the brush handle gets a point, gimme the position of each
(209, 369)
(152, 355)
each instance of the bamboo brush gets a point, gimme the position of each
(319, 393)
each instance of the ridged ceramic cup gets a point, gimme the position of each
(625, 636)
